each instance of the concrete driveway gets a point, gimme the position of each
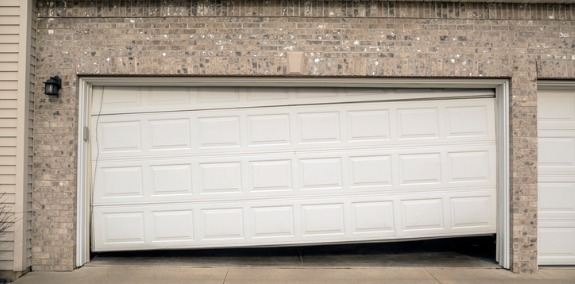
(127, 274)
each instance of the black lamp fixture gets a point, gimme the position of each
(52, 86)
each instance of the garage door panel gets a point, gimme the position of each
(373, 170)
(468, 121)
(422, 215)
(373, 218)
(556, 176)
(556, 197)
(122, 182)
(556, 245)
(269, 129)
(165, 96)
(295, 174)
(378, 119)
(418, 123)
(284, 129)
(556, 241)
(556, 109)
(163, 225)
(323, 219)
(287, 221)
(117, 137)
(472, 212)
(151, 99)
(557, 151)
(469, 166)
(424, 168)
(273, 221)
(120, 98)
(169, 134)
(132, 182)
(222, 223)
(171, 179)
(320, 173)
(318, 127)
(218, 131)
(273, 175)
(220, 178)
(125, 228)
(223, 172)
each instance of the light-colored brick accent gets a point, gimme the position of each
(338, 38)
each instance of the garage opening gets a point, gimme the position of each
(206, 167)
(471, 252)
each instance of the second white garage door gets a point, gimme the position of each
(556, 156)
(225, 167)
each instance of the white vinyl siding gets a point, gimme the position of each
(15, 129)
(225, 167)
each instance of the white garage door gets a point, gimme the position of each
(556, 122)
(225, 167)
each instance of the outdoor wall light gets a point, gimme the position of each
(52, 86)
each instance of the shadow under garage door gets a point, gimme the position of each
(195, 167)
(473, 252)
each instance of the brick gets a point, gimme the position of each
(524, 42)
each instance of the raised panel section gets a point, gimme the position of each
(323, 219)
(122, 182)
(219, 178)
(271, 175)
(124, 227)
(319, 127)
(418, 123)
(369, 217)
(273, 221)
(170, 134)
(171, 179)
(321, 173)
(468, 166)
(556, 106)
(558, 151)
(557, 197)
(471, 211)
(219, 132)
(371, 170)
(169, 96)
(422, 214)
(368, 125)
(120, 136)
(420, 168)
(266, 94)
(318, 92)
(219, 95)
(223, 223)
(556, 246)
(173, 226)
(117, 98)
(467, 121)
(269, 129)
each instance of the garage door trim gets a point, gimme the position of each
(502, 105)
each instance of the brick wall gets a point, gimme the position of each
(339, 38)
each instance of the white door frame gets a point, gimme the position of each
(501, 87)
